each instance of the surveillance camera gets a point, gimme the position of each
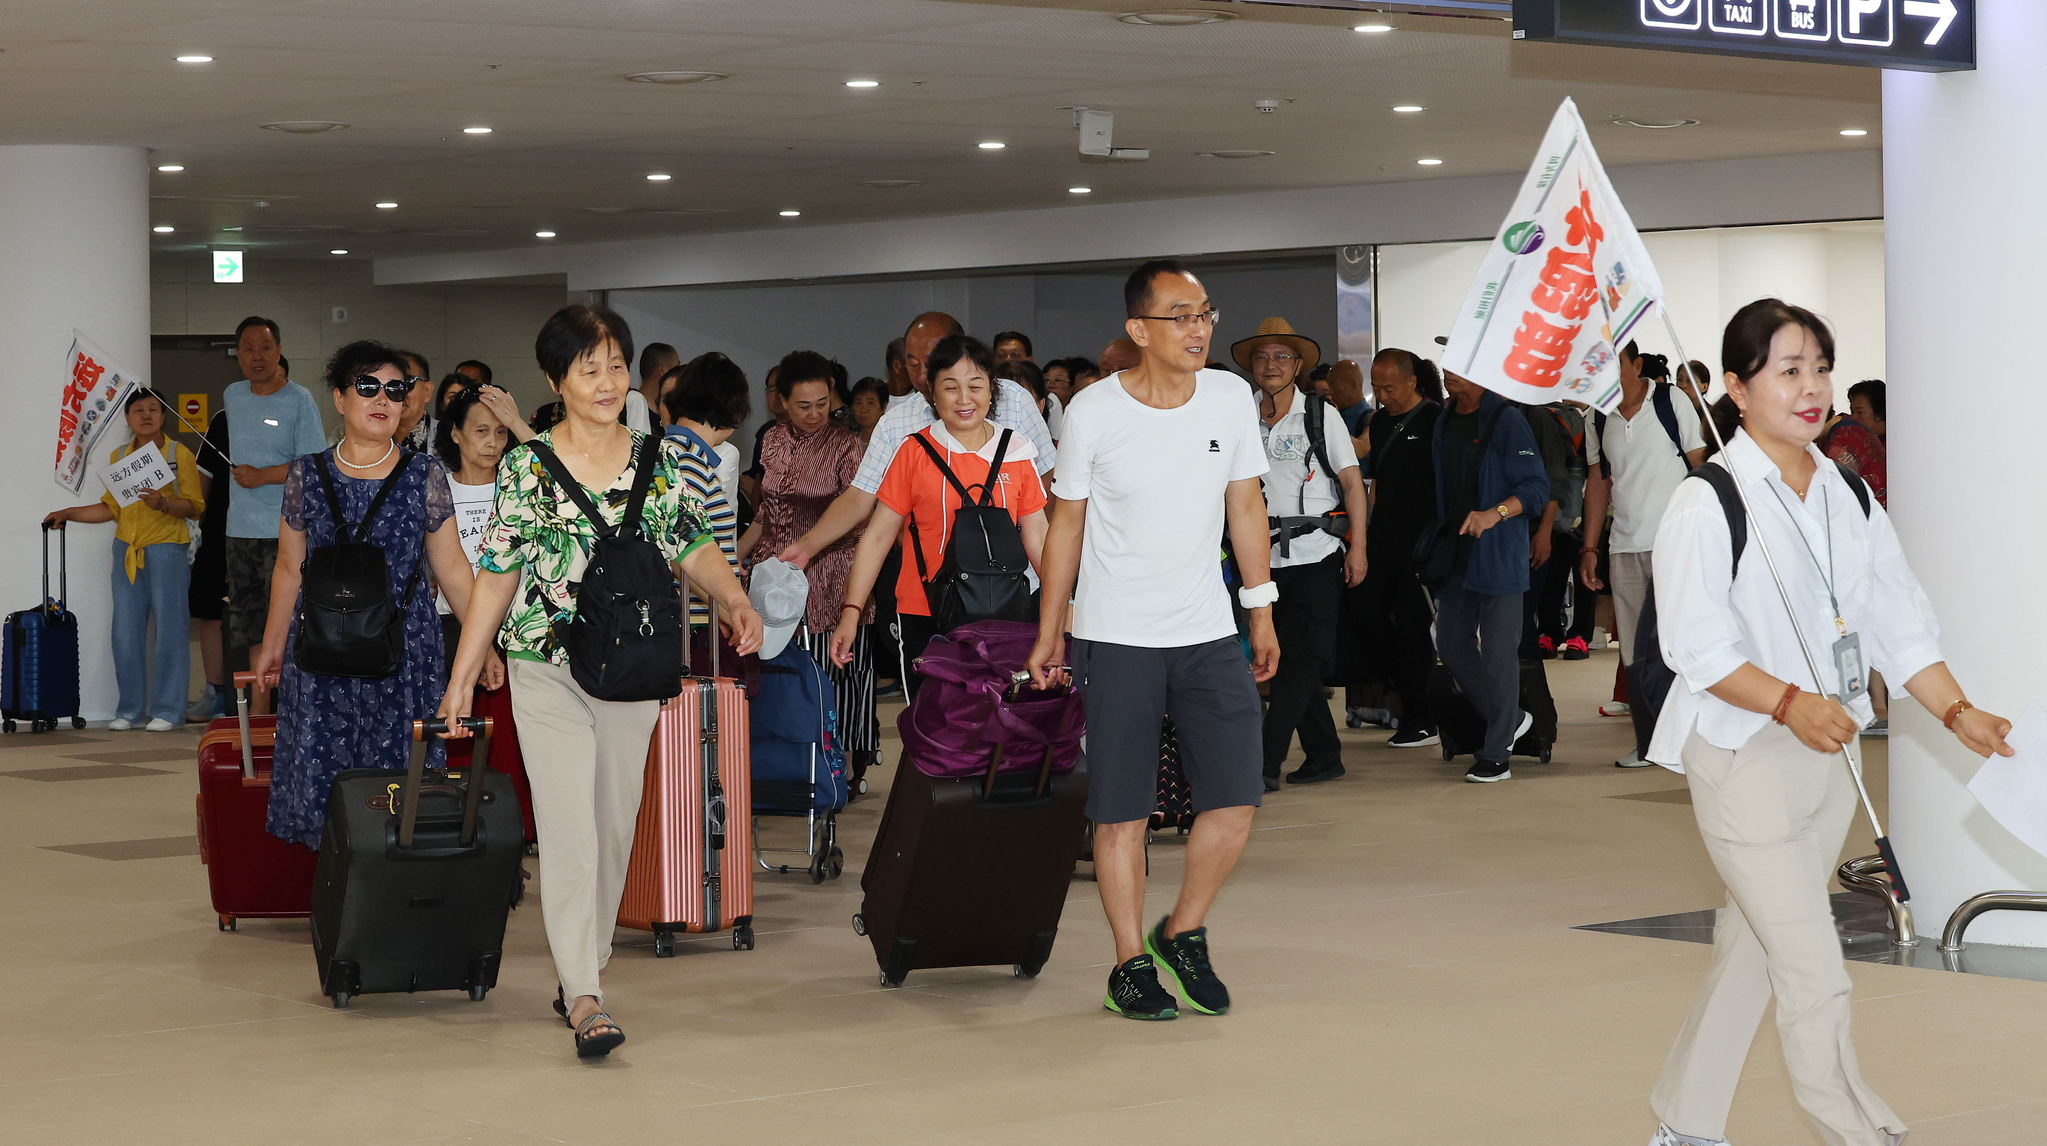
(1266, 106)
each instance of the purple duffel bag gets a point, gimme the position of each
(971, 711)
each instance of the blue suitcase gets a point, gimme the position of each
(799, 769)
(39, 669)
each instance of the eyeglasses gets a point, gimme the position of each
(1281, 356)
(367, 385)
(1187, 321)
(416, 380)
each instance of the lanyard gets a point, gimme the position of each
(1826, 574)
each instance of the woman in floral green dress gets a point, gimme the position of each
(586, 757)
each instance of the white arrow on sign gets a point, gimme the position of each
(1941, 12)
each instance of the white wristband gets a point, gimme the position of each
(1258, 596)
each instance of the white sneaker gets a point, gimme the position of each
(1615, 708)
(1665, 1136)
(1633, 760)
(119, 725)
(1527, 722)
(160, 725)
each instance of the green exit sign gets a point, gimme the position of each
(227, 266)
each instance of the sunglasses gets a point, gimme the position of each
(367, 385)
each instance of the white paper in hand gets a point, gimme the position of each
(143, 469)
(2013, 789)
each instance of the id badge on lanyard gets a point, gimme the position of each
(1848, 665)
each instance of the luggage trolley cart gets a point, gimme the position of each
(798, 766)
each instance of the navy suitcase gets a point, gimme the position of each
(39, 670)
(798, 766)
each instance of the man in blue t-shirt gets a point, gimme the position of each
(270, 421)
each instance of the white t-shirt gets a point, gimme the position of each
(1298, 486)
(1154, 481)
(472, 516)
(636, 415)
(1055, 416)
(1646, 467)
(728, 471)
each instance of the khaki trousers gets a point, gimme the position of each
(1628, 576)
(1774, 816)
(587, 761)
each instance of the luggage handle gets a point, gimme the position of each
(415, 776)
(1017, 681)
(56, 604)
(689, 660)
(246, 684)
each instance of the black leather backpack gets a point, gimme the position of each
(984, 575)
(624, 639)
(348, 623)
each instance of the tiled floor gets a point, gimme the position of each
(1401, 946)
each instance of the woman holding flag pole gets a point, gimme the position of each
(1760, 721)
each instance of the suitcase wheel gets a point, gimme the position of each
(7, 725)
(477, 991)
(664, 944)
(226, 923)
(827, 864)
(859, 924)
(78, 722)
(742, 939)
(887, 984)
(1022, 972)
(861, 785)
(340, 1000)
(1449, 753)
(1545, 753)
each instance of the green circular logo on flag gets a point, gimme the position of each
(1523, 238)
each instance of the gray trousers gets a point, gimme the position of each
(1478, 635)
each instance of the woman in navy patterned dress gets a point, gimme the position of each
(327, 724)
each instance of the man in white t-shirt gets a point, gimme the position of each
(1155, 461)
(1635, 459)
(1316, 502)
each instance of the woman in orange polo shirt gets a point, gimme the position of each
(967, 434)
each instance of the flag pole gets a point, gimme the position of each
(1883, 842)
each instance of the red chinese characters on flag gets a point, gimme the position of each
(1567, 289)
(1584, 228)
(1540, 351)
(85, 374)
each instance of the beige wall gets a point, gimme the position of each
(447, 323)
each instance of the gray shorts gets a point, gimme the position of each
(249, 562)
(1128, 690)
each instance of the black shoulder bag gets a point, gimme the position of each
(1435, 551)
(625, 636)
(348, 624)
(983, 577)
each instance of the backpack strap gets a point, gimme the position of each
(643, 480)
(965, 497)
(1855, 483)
(1311, 421)
(1666, 413)
(1724, 487)
(994, 470)
(1599, 431)
(567, 481)
(341, 523)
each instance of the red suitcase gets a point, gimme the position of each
(252, 874)
(692, 862)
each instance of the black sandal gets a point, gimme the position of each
(597, 1045)
(561, 1007)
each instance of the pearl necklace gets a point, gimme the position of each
(368, 466)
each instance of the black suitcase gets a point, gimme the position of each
(1176, 800)
(416, 875)
(971, 872)
(1461, 728)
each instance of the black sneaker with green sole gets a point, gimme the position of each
(1135, 993)
(1185, 958)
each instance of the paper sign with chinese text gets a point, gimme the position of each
(143, 469)
(95, 389)
(1565, 282)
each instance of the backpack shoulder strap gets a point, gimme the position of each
(1730, 504)
(362, 531)
(1855, 483)
(567, 481)
(994, 470)
(1666, 413)
(1599, 431)
(1311, 420)
(643, 480)
(965, 497)
(333, 498)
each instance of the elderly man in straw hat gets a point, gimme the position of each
(1316, 500)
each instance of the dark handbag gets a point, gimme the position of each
(348, 625)
(984, 575)
(1435, 551)
(624, 639)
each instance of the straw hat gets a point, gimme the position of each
(1277, 330)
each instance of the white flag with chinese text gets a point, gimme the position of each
(1565, 282)
(95, 389)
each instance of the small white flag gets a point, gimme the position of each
(1565, 282)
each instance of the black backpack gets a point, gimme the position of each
(624, 639)
(983, 577)
(348, 624)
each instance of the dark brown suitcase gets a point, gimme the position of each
(969, 873)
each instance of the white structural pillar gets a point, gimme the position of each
(1964, 162)
(74, 253)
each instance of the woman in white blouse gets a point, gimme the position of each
(1760, 740)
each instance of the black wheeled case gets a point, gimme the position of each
(416, 875)
(1462, 729)
(971, 872)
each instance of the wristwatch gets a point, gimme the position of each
(1503, 511)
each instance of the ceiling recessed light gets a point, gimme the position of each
(1373, 29)
(1080, 190)
(1653, 124)
(1177, 17)
(992, 145)
(543, 234)
(678, 77)
(171, 168)
(338, 251)
(1237, 154)
(1852, 131)
(1430, 162)
(387, 206)
(476, 131)
(195, 59)
(304, 126)
(791, 214)
(892, 184)
(863, 83)
(659, 177)
(162, 229)
(1408, 108)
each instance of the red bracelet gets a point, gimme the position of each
(1954, 711)
(1784, 705)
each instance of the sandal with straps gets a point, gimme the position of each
(592, 1044)
(561, 1007)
